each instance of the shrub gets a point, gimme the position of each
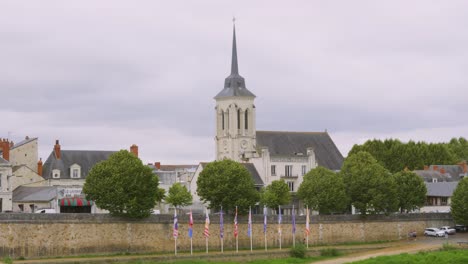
(7, 260)
(446, 246)
(298, 251)
(330, 252)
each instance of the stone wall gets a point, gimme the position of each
(36, 235)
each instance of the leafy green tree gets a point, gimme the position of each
(411, 191)
(228, 184)
(459, 206)
(460, 148)
(369, 185)
(123, 185)
(178, 195)
(275, 194)
(323, 190)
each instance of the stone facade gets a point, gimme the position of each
(38, 235)
(25, 153)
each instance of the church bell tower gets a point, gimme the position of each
(235, 116)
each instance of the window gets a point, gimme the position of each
(56, 174)
(291, 186)
(273, 170)
(443, 201)
(288, 170)
(238, 118)
(0, 180)
(21, 207)
(304, 170)
(246, 119)
(222, 120)
(75, 171)
(434, 179)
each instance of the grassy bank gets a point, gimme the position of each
(439, 257)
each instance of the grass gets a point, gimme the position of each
(440, 257)
(261, 261)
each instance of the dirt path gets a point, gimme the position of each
(399, 249)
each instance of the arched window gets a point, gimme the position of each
(238, 118)
(222, 120)
(246, 119)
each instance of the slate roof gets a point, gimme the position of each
(441, 189)
(234, 84)
(19, 144)
(174, 167)
(287, 144)
(3, 161)
(454, 170)
(85, 158)
(428, 175)
(34, 194)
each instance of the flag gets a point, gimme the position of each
(249, 230)
(221, 224)
(190, 224)
(293, 221)
(264, 219)
(307, 229)
(206, 233)
(175, 232)
(235, 224)
(279, 219)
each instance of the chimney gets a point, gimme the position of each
(157, 165)
(435, 167)
(442, 171)
(134, 150)
(5, 147)
(426, 167)
(58, 155)
(39, 167)
(464, 166)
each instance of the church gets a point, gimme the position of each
(268, 155)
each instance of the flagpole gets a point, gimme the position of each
(236, 233)
(221, 229)
(279, 225)
(265, 225)
(175, 246)
(293, 227)
(307, 226)
(175, 231)
(251, 233)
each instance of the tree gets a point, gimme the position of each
(411, 191)
(123, 185)
(369, 185)
(323, 190)
(228, 184)
(459, 207)
(178, 195)
(275, 194)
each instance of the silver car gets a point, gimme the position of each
(448, 230)
(434, 232)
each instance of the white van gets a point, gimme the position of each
(45, 211)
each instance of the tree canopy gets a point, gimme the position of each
(411, 191)
(459, 206)
(275, 194)
(178, 195)
(123, 185)
(323, 190)
(228, 184)
(395, 156)
(370, 187)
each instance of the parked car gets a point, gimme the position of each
(434, 232)
(448, 230)
(461, 228)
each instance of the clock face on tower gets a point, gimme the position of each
(243, 144)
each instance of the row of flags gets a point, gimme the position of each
(206, 231)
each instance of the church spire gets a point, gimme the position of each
(234, 65)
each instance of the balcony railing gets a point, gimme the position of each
(289, 176)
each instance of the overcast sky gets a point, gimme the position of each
(102, 75)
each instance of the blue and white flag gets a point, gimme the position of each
(221, 224)
(264, 219)
(249, 230)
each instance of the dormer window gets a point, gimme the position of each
(56, 174)
(75, 171)
(434, 180)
